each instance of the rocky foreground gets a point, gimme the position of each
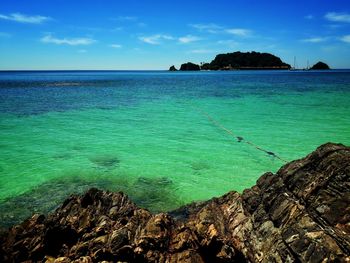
(299, 214)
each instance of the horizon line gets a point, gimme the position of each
(62, 70)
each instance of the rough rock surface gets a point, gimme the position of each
(299, 214)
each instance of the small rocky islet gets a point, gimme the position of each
(299, 214)
(244, 61)
(320, 66)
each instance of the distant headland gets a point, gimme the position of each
(243, 61)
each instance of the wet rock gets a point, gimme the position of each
(62, 260)
(299, 214)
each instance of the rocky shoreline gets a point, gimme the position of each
(299, 214)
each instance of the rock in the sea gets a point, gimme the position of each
(320, 65)
(189, 66)
(299, 214)
(172, 68)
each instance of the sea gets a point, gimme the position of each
(164, 138)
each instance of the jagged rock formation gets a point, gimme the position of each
(299, 214)
(172, 68)
(320, 65)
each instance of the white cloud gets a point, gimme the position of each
(141, 24)
(315, 39)
(202, 51)
(155, 39)
(215, 29)
(127, 18)
(67, 41)
(21, 18)
(334, 26)
(345, 39)
(338, 17)
(309, 17)
(168, 37)
(188, 39)
(241, 32)
(116, 29)
(227, 42)
(115, 46)
(329, 48)
(210, 28)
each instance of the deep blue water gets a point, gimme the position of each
(35, 92)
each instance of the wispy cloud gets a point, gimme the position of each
(210, 28)
(309, 17)
(141, 24)
(155, 39)
(315, 39)
(67, 41)
(27, 19)
(127, 18)
(202, 51)
(338, 17)
(215, 29)
(345, 39)
(5, 35)
(117, 29)
(188, 39)
(329, 48)
(115, 46)
(227, 42)
(241, 32)
(334, 26)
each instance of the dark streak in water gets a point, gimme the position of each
(105, 161)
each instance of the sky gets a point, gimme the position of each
(121, 35)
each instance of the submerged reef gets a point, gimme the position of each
(155, 194)
(299, 214)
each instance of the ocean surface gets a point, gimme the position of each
(158, 136)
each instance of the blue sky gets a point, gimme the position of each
(83, 34)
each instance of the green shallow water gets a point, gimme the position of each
(160, 149)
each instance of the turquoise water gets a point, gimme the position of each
(145, 133)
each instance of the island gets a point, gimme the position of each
(240, 61)
(320, 66)
(172, 68)
(189, 66)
